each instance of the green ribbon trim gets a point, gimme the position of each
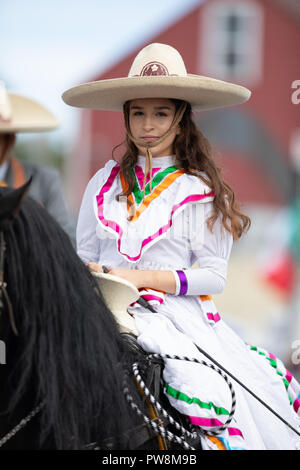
(183, 397)
(274, 364)
(138, 194)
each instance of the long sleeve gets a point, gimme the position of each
(211, 250)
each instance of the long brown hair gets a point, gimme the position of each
(193, 154)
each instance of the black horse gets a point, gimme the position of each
(68, 379)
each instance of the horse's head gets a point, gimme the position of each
(10, 203)
(68, 351)
(69, 367)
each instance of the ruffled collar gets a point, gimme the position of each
(173, 190)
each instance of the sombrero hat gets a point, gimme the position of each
(118, 295)
(158, 71)
(21, 114)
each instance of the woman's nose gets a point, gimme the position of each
(148, 123)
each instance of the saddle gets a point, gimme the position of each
(118, 295)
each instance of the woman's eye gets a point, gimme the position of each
(140, 113)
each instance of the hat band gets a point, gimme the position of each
(141, 143)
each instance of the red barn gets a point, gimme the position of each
(254, 43)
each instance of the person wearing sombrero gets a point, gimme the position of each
(150, 218)
(20, 114)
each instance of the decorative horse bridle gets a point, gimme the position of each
(10, 204)
(3, 291)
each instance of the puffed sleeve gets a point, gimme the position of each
(211, 250)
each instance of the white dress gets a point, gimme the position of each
(169, 232)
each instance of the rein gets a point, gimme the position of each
(248, 390)
(236, 380)
(21, 424)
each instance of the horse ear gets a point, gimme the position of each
(11, 202)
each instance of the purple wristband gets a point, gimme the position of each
(183, 282)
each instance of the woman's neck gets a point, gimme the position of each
(164, 161)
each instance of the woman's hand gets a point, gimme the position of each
(95, 267)
(132, 275)
(160, 280)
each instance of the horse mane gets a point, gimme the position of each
(68, 339)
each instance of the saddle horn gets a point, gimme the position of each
(118, 295)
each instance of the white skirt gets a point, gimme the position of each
(201, 394)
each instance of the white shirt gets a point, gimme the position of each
(184, 238)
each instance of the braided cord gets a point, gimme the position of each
(154, 402)
(166, 434)
(159, 430)
(217, 429)
(21, 424)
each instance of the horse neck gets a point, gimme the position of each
(11, 416)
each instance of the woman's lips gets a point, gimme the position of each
(149, 138)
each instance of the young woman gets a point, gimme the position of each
(150, 218)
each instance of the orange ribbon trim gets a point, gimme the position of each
(148, 199)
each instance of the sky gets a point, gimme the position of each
(48, 46)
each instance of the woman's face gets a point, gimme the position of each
(149, 119)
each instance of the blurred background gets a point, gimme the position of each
(48, 47)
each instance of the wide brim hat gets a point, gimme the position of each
(21, 114)
(158, 71)
(118, 294)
